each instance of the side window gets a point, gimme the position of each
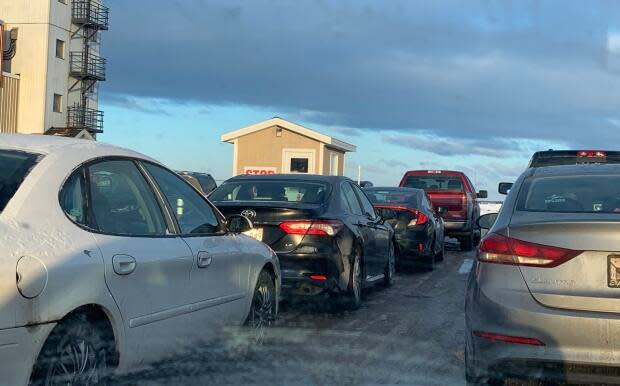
(72, 198)
(122, 202)
(351, 199)
(193, 213)
(366, 204)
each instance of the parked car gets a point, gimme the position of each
(324, 229)
(454, 191)
(204, 182)
(542, 299)
(418, 226)
(110, 260)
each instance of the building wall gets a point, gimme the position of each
(264, 148)
(327, 156)
(9, 94)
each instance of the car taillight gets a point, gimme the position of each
(312, 227)
(591, 153)
(420, 218)
(508, 338)
(498, 249)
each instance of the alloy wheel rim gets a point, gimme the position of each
(77, 363)
(262, 311)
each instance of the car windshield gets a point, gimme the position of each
(276, 191)
(14, 167)
(434, 183)
(391, 197)
(571, 194)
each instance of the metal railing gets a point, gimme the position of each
(90, 13)
(86, 66)
(80, 117)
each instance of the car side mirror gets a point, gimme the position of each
(504, 187)
(442, 210)
(483, 194)
(486, 221)
(237, 223)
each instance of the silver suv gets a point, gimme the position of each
(543, 299)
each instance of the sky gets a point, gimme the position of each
(476, 86)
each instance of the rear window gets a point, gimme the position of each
(280, 191)
(434, 183)
(15, 167)
(391, 197)
(571, 194)
(207, 183)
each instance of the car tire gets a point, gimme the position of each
(263, 311)
(390, 267)
(76, 352)
(442, 251)
(467, 242)
(353, 296)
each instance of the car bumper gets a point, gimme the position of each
(457, 228)
(297, 269)
(578, 346)
(408, 245)
(19, 348)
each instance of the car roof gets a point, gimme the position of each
(49, 144)
(290, 177)
(435, 172)
(395, 189)
(576, 169)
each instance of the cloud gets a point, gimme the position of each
(527, 70)
(148, 105)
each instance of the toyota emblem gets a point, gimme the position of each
(249, 213)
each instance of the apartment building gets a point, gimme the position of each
(51, 66)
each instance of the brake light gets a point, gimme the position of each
(318, 277)
(591, 153)
(508, 338)
(498, 249)
(312, 227)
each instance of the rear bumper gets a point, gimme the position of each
(457, 228)
(578, 346)
(296, 269)
(19, 348)
(408, 246)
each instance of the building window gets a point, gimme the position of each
(57, 103)
(299, 165)
(333, 163)
(60, 49)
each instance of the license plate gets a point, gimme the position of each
(613, 271)
(255, 233)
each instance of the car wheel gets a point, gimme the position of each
(467, 242)
(353, 297)
(76, 353)
(442, 251)
(263, 310)
(390, 267)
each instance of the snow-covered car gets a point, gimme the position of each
(108, 260)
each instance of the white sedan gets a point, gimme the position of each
(108, 260)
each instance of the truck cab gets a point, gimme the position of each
(454, 191)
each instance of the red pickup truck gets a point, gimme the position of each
(453, 191)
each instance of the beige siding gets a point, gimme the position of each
(263, 148)
(9, 97)
(327, 161)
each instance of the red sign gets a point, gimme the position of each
(259, 170)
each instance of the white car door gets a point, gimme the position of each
(220, 273)
(147, 267)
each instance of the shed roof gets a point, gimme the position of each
(326, 139)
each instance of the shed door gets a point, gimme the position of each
(298, 161)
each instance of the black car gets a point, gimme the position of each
(325, 231)
(204, 182)
(418, 226)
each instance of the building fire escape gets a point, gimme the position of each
(86, 68)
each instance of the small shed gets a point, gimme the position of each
(279, 146)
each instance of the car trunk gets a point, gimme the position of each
(398, 217)
(269, 216)
(454, 201)
(583, 282)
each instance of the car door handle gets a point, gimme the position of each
(204, 260)
(123, 264)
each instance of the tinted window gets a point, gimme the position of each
(193, 213)
(433, 182)
(122, 201)
(578, 193)
(366, 204)
(265, 190)
(15, 167)
(206, 182)
(352, 200)
(391, 197)
(72, 198)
